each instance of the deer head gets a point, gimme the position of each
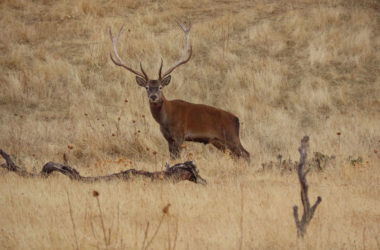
(153, 87)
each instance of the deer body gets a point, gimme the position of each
(183, 121)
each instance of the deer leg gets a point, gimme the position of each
(175, 146)
(236, 150)
(245, 154)
(239, 151)
(174, 149)
(218, 144)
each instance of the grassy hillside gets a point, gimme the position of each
(285, 68)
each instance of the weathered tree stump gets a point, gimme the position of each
(178, 172)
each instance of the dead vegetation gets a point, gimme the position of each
(308, 212)
(178, 172)
(319, 162)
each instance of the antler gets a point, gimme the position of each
(182, 60)
(119, 61)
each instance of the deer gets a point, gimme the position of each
(180, 120)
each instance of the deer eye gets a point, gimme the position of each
(160, 87)
(147, 87)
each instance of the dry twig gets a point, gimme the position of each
(72, 221)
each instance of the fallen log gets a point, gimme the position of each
(178, 172)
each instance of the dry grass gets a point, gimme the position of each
(286, 68)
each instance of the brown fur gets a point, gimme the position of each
(183, 121)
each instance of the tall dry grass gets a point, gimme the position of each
(285, 68)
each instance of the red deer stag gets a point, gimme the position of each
(180, 120)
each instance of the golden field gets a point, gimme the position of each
(285, 68)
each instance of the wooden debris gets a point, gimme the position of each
(178, 172)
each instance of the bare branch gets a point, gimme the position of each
(308, 212)
(11, 166)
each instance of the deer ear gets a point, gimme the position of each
(140, 81)
(166, 80)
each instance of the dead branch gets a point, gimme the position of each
(308, 212)
(11, 166)
(178, 172)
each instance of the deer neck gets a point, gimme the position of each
(158, 110)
